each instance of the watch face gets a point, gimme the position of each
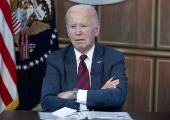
(75, 91)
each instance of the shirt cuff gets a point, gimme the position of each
(82, 96)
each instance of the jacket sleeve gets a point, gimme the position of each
(114, 97)
(51, 87)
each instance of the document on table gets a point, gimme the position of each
(47, 116)
(63, 112)
(108, 115)
(85, 115)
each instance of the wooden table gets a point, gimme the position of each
(32, 115)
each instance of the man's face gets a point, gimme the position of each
(82, 30)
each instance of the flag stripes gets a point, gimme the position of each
(4, 93)
(7, 47)
(2, 104)
(8, 78)
(5, 7)
(16, 24)
(7, 35)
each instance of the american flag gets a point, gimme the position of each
(16, 24)
(8, 79)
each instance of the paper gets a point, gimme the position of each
(91, 115)
(64, 112)
(108, 115)
(47, 116)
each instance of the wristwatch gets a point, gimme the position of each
(75, 91)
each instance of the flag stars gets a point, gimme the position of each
(19, 67)
(55, 30)
(53, 36)
(25, 67)
(45, 55)
(36, 61)
(49, 51)
(31, 64)
(51, 42)
(41, 59)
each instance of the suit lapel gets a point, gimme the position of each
(71, 68)
(96, 68)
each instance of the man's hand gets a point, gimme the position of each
(111, 83)
(66, 95)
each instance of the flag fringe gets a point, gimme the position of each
(13, 105)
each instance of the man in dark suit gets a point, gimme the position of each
(103, 86)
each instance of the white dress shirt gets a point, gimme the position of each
(82, 94)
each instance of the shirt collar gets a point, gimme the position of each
(89, 54)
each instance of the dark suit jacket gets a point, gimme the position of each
(61, 76)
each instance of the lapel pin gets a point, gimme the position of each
(99, 62)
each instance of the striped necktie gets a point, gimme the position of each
(83, 81)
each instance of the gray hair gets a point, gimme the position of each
(82, 6)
